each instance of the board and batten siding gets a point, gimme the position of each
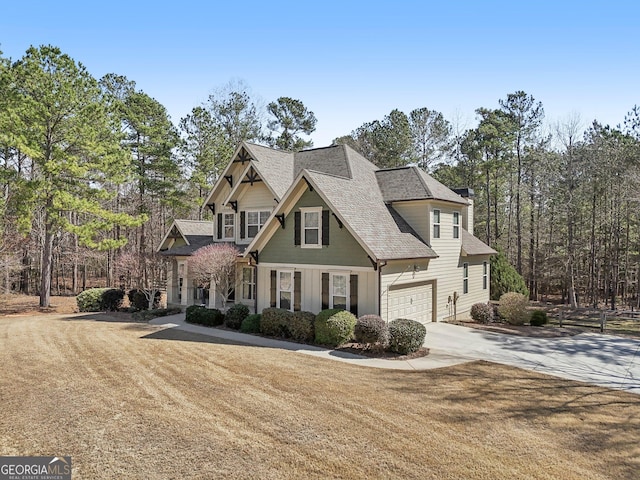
(311, 287)
(343, 249)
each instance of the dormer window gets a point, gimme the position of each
(255, 221)
(228, 226)
(311, 227)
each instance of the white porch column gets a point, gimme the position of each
(184, 274)
(212, 294)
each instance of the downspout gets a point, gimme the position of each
(255, 288)
(380, 265)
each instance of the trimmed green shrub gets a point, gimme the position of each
(146, 315)
(301, 326)
(513, 308)
(235, 315)
(251, 324)
(482, 312)
(275, 322)
(538, 318)
(139, 301)
(90, 300)
(334, 327)
(211, 317)
(406, 336)
(373, 330)
(111, 300)
(505, 278)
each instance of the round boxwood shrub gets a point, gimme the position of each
(406, 336)
(111, 300)
(538, 318)
(301, 326)
(90, 300)
(211, 317)
(275, 322)
(251, 324)
(513, 308)
(482, 312)
(371, 329)
(235, 315)
(334, 327)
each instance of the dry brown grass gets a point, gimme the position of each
(17, 304)
(132, 401)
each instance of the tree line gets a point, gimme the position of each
(93, 172)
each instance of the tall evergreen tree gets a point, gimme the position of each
(60, 122)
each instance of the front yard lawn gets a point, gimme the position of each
(133, 401)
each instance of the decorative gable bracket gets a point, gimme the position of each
(281, 219)
(252, 177)
(308, 184)
(212, 207)
(234, 205)
(337, 220)
(373, 262)
(243, 156)
(229, 179)
(254, 255)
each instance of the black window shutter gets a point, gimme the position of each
(297, 287)
(242, 227)
(353, 301)
(219, 226)
(297, 221)
(325, 227)
(325, 291)
(274, 288)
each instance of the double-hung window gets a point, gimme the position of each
(485, 275)
(285, 289)
(255, 221)
(436, 223)
(339, 288)
(456, 225)
(465, 278)
(228, 226)
(248, 283)
(311, 227)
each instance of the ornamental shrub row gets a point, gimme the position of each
(211, 317)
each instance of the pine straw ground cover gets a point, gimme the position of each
(134, 401)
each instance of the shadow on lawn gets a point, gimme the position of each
(599, 420)
(184, 336)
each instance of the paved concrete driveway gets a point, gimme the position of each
(604, 360)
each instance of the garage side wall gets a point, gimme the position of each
(407, 282)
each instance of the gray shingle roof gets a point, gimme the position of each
(412, 183)
(360, 203)
(194, 227)
(330, 160)
(474, 246)
(275, 167)
(195, 242)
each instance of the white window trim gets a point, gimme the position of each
(465, 278)
(252, 282)
(347, 287)
(303, 242)
(456, 226)
(279, 290)
(260, 225)
(437, 223)
(485, 275)
(224, 225)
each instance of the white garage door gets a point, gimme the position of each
(412, 301)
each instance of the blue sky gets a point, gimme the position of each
(352, 62)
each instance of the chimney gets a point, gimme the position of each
(467, 212)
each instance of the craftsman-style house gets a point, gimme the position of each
(325, 228)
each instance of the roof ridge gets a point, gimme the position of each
(422, 180)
